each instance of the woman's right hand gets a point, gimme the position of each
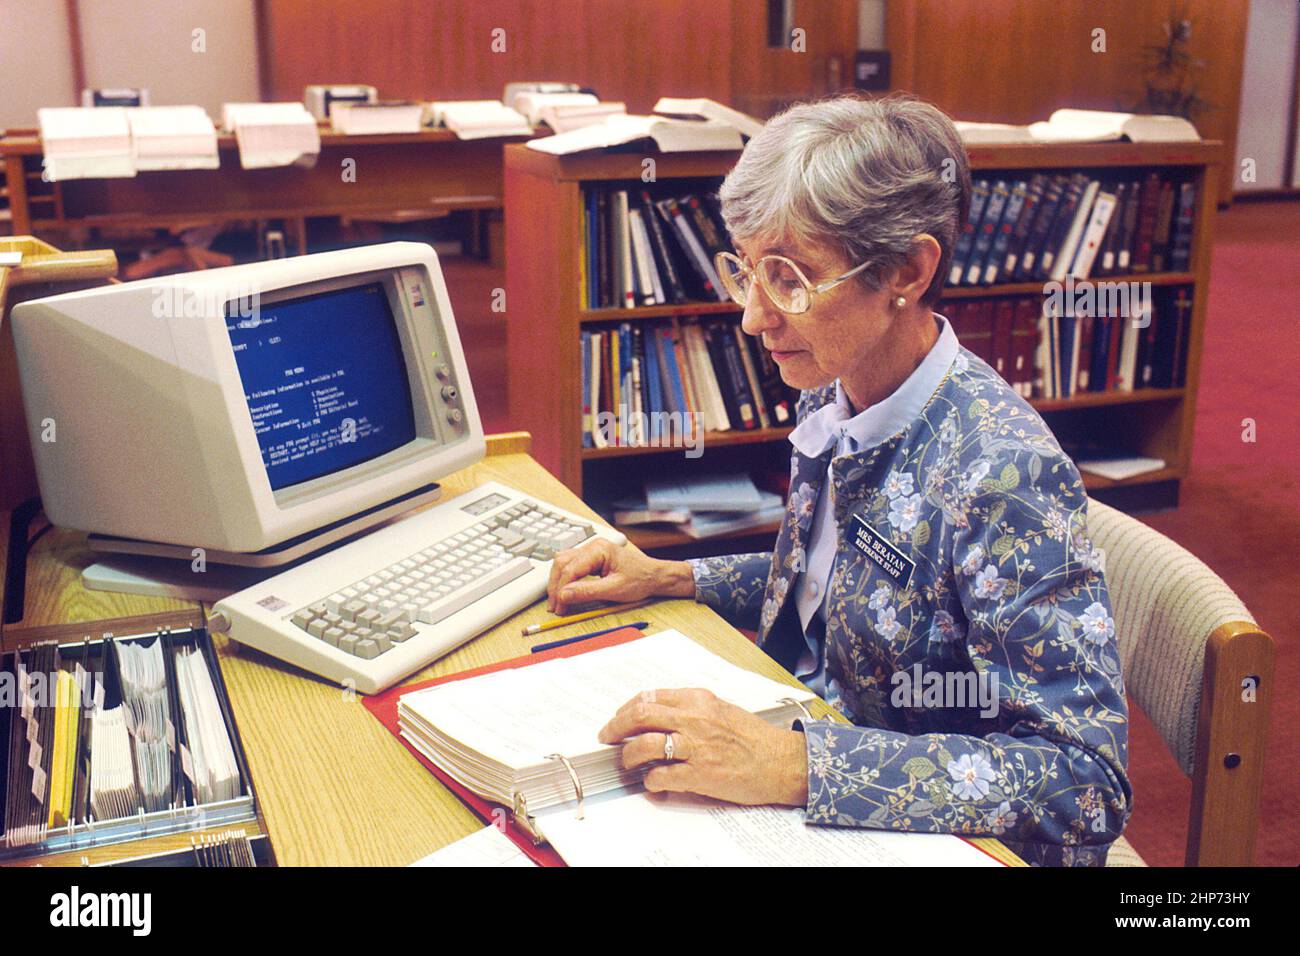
(622, 572)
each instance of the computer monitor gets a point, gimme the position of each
(257, 411)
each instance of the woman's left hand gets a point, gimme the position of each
(719, 750)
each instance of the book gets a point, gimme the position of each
(1180, 254)
(378, 118)
(983, 245)
(563, 117)
(521, 735)
(1044, 220)
(272, 134)
(85, 142)
(172, 137)
(671, 136)
(477, 119)
(734, 491)
(1024, 222)
(1103, 208)
(1002, 238)
(1096, 126)
(710, 110)
(496, 734)
(1069, 218)
(979, 197)
(1082, 126)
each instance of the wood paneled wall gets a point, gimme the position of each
(1015, 61)
(631, 50)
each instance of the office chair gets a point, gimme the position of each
(1200, 668)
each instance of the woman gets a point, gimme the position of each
(932, 578)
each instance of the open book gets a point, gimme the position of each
(710, 110)
(670, 135)
(1082, 126)
(525, 737)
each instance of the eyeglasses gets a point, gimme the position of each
(782, 280)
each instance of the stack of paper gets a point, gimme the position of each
(172, 137)
(563, 117)
(393, 116)
(272, 134)
(531, 103)
(85, 143)
(495, 733)
(513, 90)
(478, 119)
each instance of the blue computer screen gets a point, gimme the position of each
(325, 381)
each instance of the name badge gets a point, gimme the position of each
(882, 551)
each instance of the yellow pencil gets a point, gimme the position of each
(585, 616)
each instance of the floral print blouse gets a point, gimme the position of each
(968, 634)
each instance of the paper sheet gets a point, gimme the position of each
(486, 847)
(641, 829)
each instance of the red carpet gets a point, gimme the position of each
(1240, 510)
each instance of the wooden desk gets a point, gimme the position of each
(333, 786)
(430, 172)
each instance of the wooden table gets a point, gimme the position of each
(396, 176)
(333, 786)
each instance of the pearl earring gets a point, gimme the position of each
(900, 302)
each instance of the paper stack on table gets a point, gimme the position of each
(478, 119)
(272, 134)
(85, 143)
(378, 118)
(172, 137)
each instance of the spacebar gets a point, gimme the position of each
(484, 586)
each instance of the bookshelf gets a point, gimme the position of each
(544, 242)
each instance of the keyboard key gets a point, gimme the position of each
(351, 609)
(303, 618)
(316, 628)
(466, 596)
(401, 632)
(333, 635)
(366, 649)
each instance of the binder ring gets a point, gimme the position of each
(790, 700)
(573, 775)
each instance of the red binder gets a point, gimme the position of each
(384, 708)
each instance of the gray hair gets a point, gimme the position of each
(866, 176)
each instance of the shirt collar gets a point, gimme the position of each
(822, 430)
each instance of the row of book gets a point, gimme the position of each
(639, 249)
(639, 380)
(1054, 225)
(1047, 351)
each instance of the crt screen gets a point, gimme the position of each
(325, 381)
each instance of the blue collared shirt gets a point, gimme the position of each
(835, 426)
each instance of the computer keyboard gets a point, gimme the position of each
(376, 609)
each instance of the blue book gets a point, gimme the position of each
(653, 385)
(669, 358)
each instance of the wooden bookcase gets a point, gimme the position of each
(544, 241)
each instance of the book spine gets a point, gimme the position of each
(695, 253)
(1102, 210)
(718, 362)
(1060, 255)
(1024, 224)
(1110, 244)
(1181, 255)
(751, 377)
(703, 364)
(1043, 223)
(671, 375)
(1128, 229)
(584, 342)
(984, 235)
(736, 372)
(1002, 240)
(667, 269)
(979, 196)
(1146, 224)
(1003, 329)
(1164, 224)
